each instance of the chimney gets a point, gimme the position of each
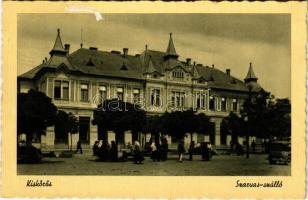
(125, 52)
(67, 48)
(188, 61)
(213, 66)
(228, 71)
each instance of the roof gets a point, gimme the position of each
(58, 46)
(114, 64)
(250, 75)
(171, 48)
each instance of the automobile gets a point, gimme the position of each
(279, 151)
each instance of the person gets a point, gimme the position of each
(138, 157)
(191, 150)
(153, 151)
(253, 145)
(159, 151)
(164, 149)
(95, 148)
(113, 152)
(79, 148)
(104, 151)
(181, 150)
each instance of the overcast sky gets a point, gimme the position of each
(226, 40)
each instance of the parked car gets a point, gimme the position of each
(279, 151)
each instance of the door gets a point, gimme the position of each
(84, 129)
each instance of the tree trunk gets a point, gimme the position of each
(71, 142)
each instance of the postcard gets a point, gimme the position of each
(154, 99)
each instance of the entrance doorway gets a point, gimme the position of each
(84, 129)
(212, 133)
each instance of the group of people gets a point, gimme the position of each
(106, 151)
(159, 149)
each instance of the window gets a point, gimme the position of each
(234, 104)
(120, 93)
(155, 97)
(216, 104)
(61, 90)
(102, 93)
(84, 94)
(57, 90)
(223, 104)
(201, 100)
(177, 74)
(136, 96)
(178, 99)
(65, 90)
(212, 103)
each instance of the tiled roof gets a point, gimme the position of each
(58, 46)
(114, 64)
(250, 75)
(171, 48)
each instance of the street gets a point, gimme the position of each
(220, 165)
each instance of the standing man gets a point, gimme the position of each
(181, 150)
(79, 148)
(191, 150)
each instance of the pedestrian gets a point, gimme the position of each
(253, 145)
(138, 157)
(113, 152)
(159, 151)
(191, 150)
(79, 148)
(164, 149)
(153, 151)
(104, 151)
(181, 150)
(95, 148)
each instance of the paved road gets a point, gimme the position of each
(220, 165)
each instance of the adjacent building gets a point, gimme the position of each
(157, 80)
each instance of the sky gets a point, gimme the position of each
(225, 40)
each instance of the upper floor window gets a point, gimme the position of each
(61, 90)
(178, 99)
(212, 103)
(136, 96)
(234, 104)
(84, 92)
(177, 74)
(102, 93)
(155, 97)
(223, 104)
(120, 93)
(201, 100)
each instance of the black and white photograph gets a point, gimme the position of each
(157, 94)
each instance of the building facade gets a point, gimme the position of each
(157, 80)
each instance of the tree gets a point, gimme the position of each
(35, 112)
(154, 126)
(67, 124)
(118, 116)
(203, 124)
(179, 123)
(233, 125)
(279, 119)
